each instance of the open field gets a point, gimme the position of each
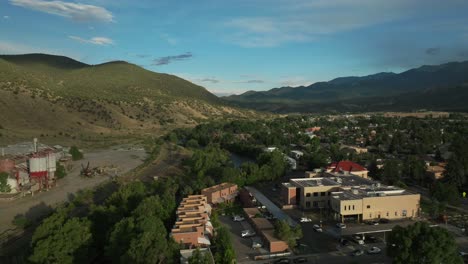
(40, 204)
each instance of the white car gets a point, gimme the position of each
(317, 228)
(238, 218)
(305, 220)
(247, 233)
(341, 225)
(256, 245)
(374, 250)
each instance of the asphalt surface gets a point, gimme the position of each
(272, 208)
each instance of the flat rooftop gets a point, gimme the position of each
(360, 193)
(313, 182)
(331, 180)
(219, 187)
(262, 223)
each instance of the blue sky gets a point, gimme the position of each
(235, 46)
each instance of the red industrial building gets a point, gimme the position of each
(31, 171)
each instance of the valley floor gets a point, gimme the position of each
(34, 207)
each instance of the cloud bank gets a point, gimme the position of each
(74, 11)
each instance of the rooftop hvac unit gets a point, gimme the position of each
(355, 191)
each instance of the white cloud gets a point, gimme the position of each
(6, 17)
(102, 41)
(299, 21)
(75, 11)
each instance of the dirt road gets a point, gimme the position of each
(39, 204)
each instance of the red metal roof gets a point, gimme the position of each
(345, 165)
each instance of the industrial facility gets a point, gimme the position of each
(30, 167)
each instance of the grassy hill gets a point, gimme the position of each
(373, 90)
(56, 96)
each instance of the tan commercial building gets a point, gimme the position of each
(374, 203)
(224, 192)
(193, 227)
(351, 197)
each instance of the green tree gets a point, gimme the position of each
(224, 251)
(67, 243)
(199, 258)
(284, 232)
(420, 243)
(391, 171)
(192, 143)
(75, 152)
(415, 169)
(455, 172)
(4, 186)
(445, 193)
(61, 171)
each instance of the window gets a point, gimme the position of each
(387, 213)
(396, 213)
(322, 194)
(308, 195)
(315, 194)
(307, 204)
(345, 207)
(353, 207)
(368, 207)
(403, 213)
(315, 204)
(370, 215)
(329, 193)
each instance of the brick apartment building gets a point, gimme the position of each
(193, 227)
(224, 192)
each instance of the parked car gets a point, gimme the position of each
(256, 245)
(358, 252)
(300, 260)
(305, 220)
(247, 233)
(282, 261)
(384, 221)
(372, 239)
(374, 250)
(359, 239)
(372, 222)
(341, 225)
(238, 218)
(317, 228)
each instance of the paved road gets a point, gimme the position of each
(272, 208)
(39, 204)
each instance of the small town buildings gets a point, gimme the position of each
(266, 230)
(224, 192)
(352, 197)
(347, 167)
(193, 227)
(435, 172)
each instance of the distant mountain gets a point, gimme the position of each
(380, 86)
(54, 95)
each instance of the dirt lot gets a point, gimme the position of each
(33, 207)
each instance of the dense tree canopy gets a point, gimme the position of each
(420, 243)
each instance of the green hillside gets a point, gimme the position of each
(56, 95)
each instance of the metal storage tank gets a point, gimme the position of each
(51, 162)
(38, 166)
(6, 165)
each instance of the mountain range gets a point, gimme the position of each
(56, 96)
(436, 87)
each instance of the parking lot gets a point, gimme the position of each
(242, 246)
